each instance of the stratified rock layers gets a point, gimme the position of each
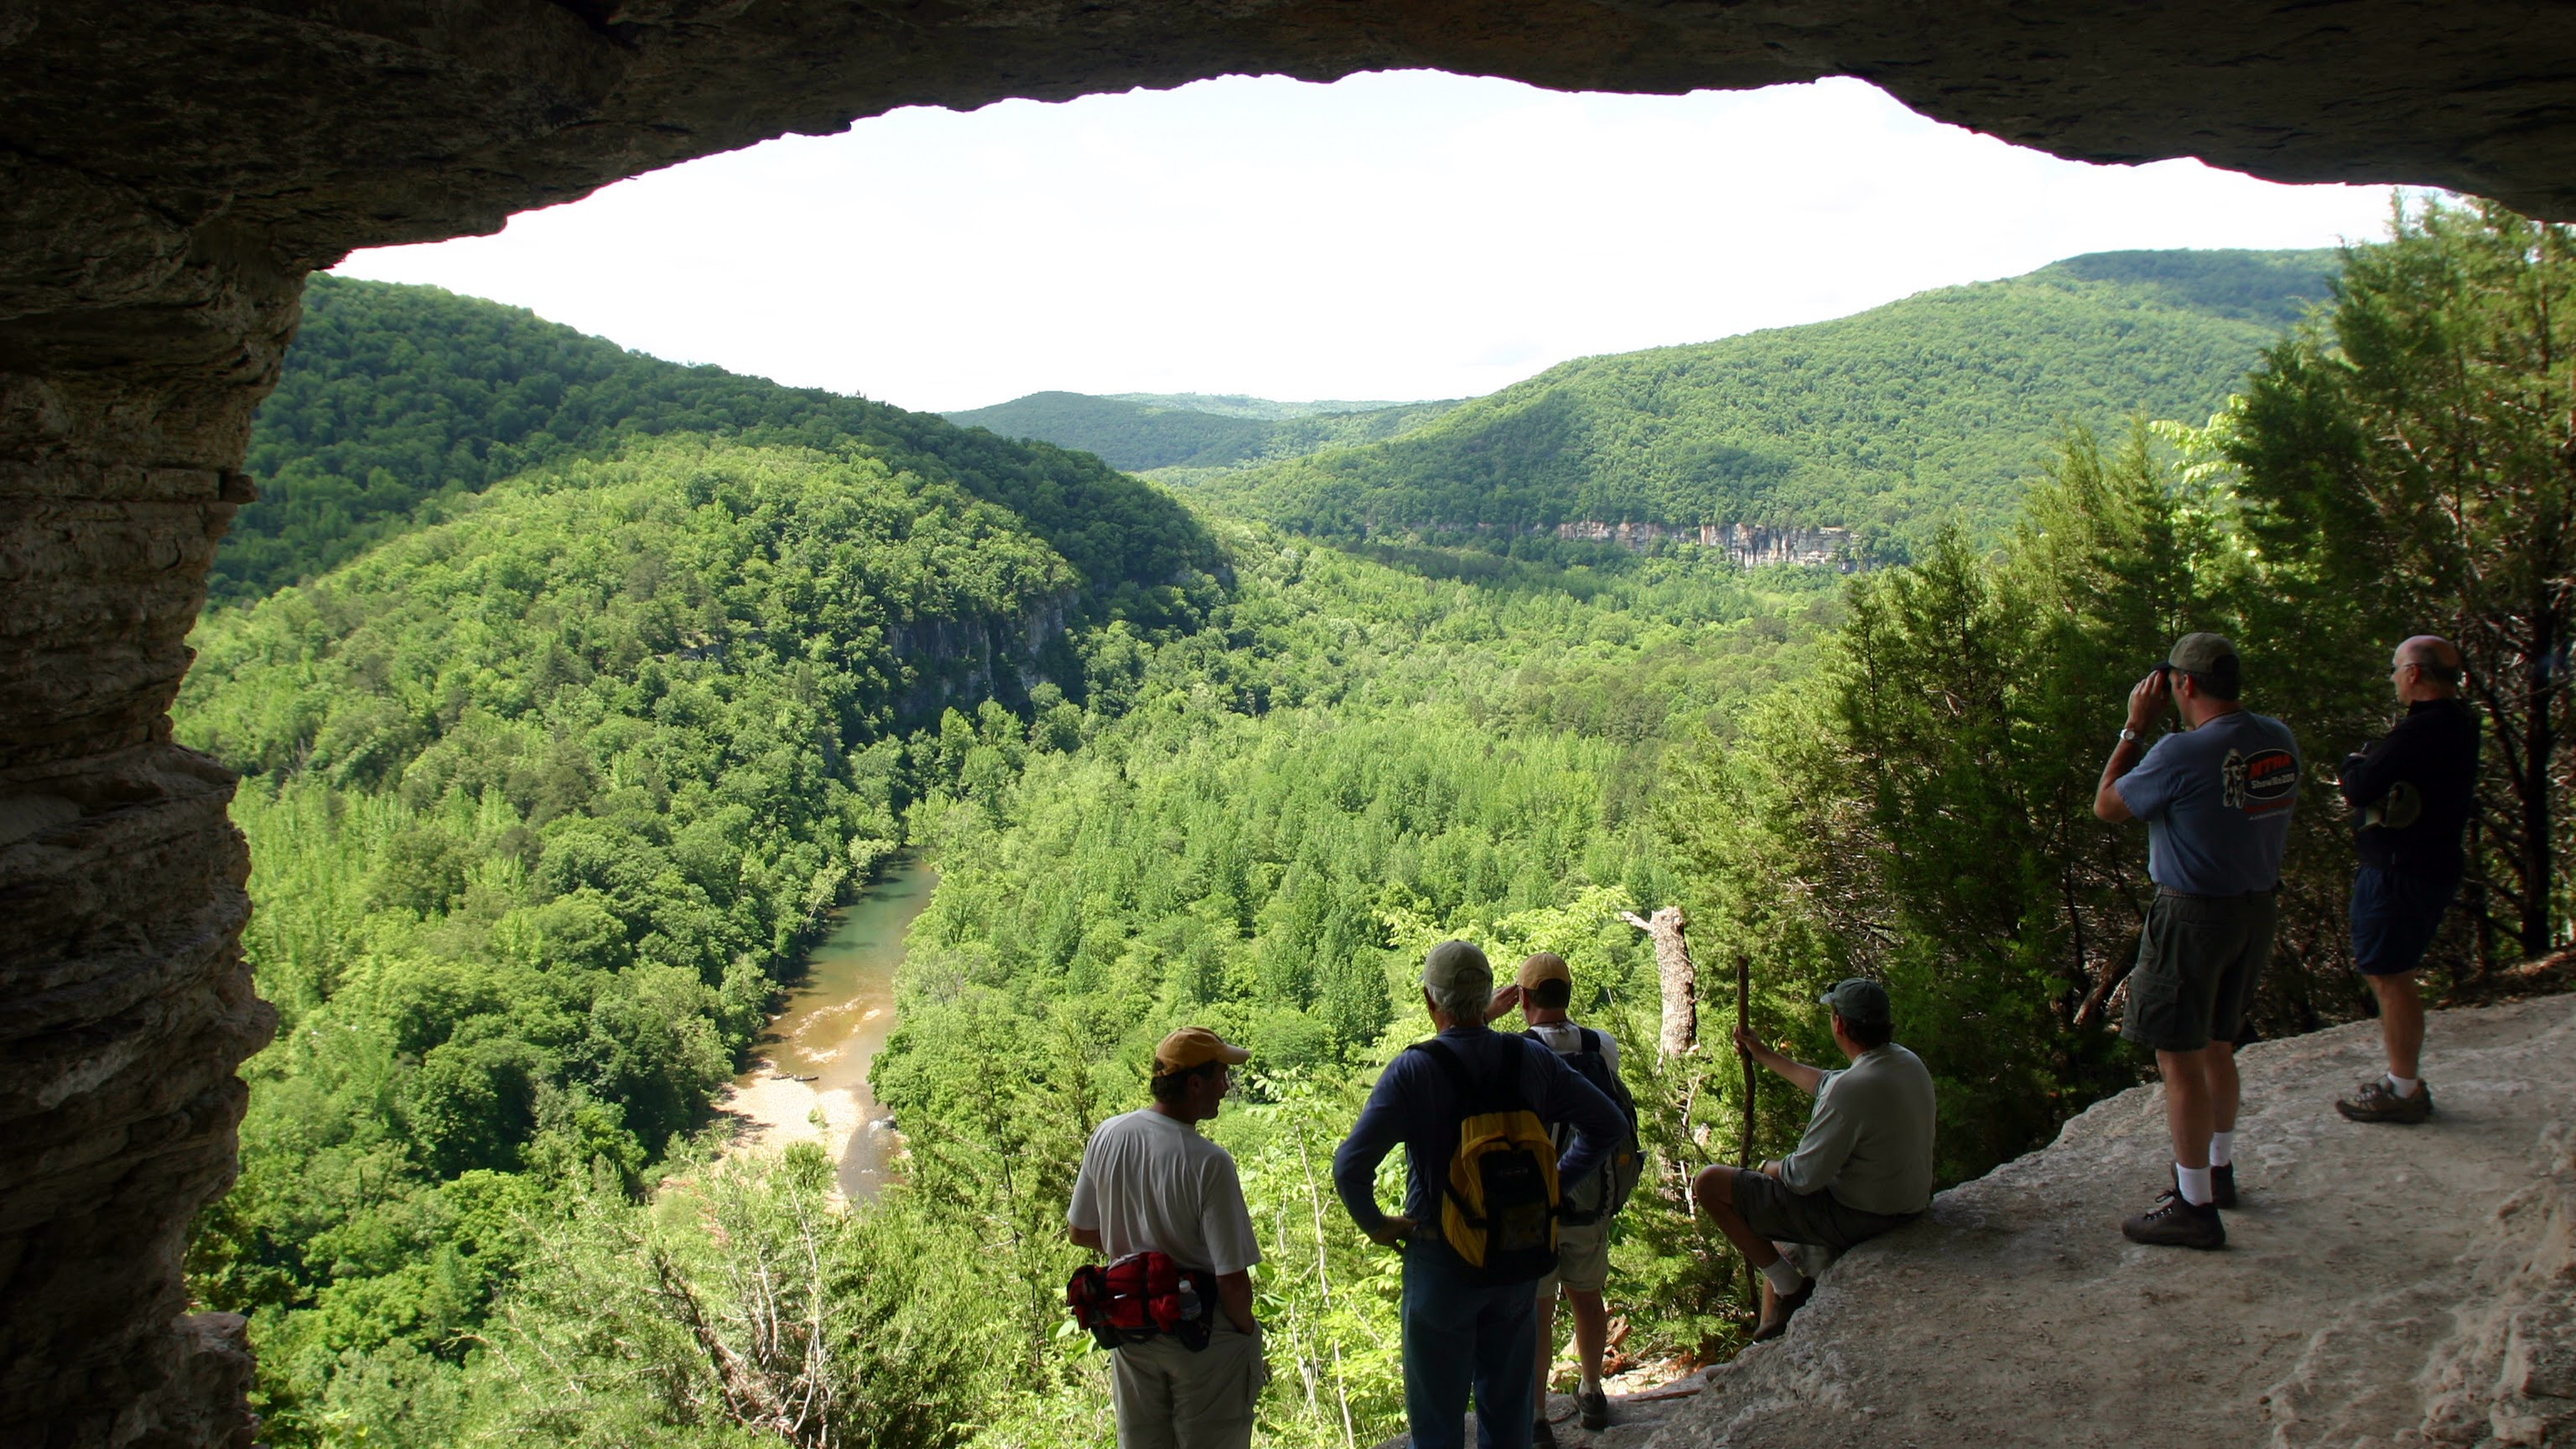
(2381, 1286)
(125, 1007)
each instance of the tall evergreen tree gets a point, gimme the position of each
(2409, 462)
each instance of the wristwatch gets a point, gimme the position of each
(2129, 736)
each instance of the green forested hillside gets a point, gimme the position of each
(1936, 407)
(548, 786)
(542, 802)
(1124, 434)
(1147, 432)
(398, 401)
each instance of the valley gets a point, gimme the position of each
(624, 742)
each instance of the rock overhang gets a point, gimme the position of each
(322, 127)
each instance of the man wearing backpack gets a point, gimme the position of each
(1151, 1184)
(1544, 989)
(1471, 1107)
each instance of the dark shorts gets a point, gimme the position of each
(1771, 1209)
(2394, 916)
(2199, 960)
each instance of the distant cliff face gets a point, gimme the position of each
(1749, 544)
(2381, 1285)
(968, 660)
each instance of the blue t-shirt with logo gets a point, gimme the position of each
(2217, 803)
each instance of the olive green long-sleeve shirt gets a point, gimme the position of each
(1869, 1137)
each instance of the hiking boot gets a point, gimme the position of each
(2378, 1102)
(1775, 1321)
(1542, 1433)
(2174, 1223)
(1592, 1409)
(2222, 1185)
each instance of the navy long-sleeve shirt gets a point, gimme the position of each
(2433, 753)
(1416, 1103)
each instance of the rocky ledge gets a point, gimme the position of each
(2381, 1286)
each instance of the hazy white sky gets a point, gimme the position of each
(1392, 236)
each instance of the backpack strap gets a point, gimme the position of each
(1455, 1065)
(1591, 1040)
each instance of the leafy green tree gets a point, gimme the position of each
(738, 1309)
(2407, 466)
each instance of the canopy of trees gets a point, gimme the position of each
(553, 775)
(2411, 461)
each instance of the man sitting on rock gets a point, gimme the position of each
(1863, 1167)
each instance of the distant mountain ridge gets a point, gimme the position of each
(1237, 405)
(1887, 423)
(1145, 432)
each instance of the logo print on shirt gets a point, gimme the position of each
(2260, 783)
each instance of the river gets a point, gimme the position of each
(837, 1017)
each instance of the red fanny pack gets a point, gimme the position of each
(1141, 1295)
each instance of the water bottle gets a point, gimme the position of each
(1189, 1296)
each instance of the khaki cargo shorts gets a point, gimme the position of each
(1582, 1261)
(2199, 960)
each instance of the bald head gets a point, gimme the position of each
(2426, 667)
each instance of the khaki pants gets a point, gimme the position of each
(1171, 1398)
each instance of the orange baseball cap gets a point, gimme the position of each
(1195, 1046)
(1545, 966)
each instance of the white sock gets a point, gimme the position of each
(2402, 1086)
(2194, 1182)
(1592, 1380)
(1785, 1280)
(2222, 1148)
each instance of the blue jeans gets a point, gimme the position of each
(1460, 1332)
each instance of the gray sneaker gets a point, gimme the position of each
(1592, 1407)
(2378, 1102)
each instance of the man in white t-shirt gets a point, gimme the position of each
(1151, 1183)
(1543, 989)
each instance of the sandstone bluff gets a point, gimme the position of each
(171, 171)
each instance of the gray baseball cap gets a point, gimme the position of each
(2202, 653)
(1859, 999)
(1451, 962)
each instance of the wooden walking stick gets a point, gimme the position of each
(1744, 1022)
(1744, 1147)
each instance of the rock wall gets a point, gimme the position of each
(124, 1003)
(1750, 545)
(2381, 1286)
(965, 660)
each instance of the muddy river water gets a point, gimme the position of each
(836, 1020)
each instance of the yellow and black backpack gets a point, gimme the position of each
(1498, 1207)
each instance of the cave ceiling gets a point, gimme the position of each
(140, 134)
